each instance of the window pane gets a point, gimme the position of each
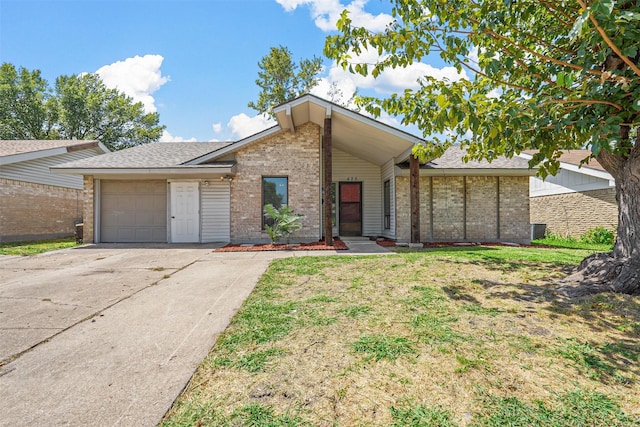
(387, 204)
(274, 191)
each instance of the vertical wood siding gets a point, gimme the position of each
(215, 212)
(349, 168)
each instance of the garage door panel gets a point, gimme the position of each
(133, 211)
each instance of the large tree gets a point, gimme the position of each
(547, 75)
(79, 107)
(281, 80)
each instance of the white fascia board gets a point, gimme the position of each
(103, 147)
(585, 170)
(146, 171)
(560, 189)
(32, 155)
(468, 172)
(233, 147)
(336, 109)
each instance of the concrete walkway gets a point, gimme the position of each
(111, 334)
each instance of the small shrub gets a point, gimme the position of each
(285, 222)
(598, 236)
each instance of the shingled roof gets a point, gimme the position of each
(574, 157)
(154, 155)
(452, 159)
(451, 162)
(13, 147)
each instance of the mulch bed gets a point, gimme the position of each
(338, 245)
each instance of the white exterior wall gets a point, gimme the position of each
(388, 170)
(215, 208)
(37, 170)
(349, 168)
(567, 181)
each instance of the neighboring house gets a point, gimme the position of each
(209, 192)
(35, 203)
(576, 199)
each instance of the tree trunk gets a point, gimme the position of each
(619, 270)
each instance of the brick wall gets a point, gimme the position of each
(403, 209)
(31, 211)
(514, 208)
(88, 192)
(296, 156)
(448, 208)
(482, 210)
(574, 213)
(466, 208)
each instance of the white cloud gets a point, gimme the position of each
(338, 91)
(392, 80)
(217, 127)
(242, 125)
(167, 137)
(326, 13)
(138, 77)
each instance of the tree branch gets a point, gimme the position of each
(556, 9)
(582, 101)
(609, 42)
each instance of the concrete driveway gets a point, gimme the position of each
(111, 334)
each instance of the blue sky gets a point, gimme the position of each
(193, 61)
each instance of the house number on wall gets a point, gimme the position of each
(352, 178)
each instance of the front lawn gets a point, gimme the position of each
(36, 247)
(471, 336)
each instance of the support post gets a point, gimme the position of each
(414, 197)
(328, 180)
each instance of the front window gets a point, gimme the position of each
(274, 192)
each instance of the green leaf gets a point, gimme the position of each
(578, 25)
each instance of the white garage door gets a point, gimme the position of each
(133, 211)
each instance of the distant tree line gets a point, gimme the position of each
(77, 107)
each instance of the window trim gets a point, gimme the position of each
(386, 203)
(262, 204)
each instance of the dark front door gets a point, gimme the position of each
(350, 208)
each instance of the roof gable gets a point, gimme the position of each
(351, 132)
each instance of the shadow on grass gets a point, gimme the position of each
(614, 362)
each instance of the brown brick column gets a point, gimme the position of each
(88, 232)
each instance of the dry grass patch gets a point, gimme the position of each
(472, 337)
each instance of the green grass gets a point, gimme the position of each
(36, 247)
(572, 244)
(252, 362)
(605, 363)
(576, 408)
(421, 416)
(379, 347)
(355, 311)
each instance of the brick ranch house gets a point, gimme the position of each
(216, 192)
(35, 203)
(577, 198)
